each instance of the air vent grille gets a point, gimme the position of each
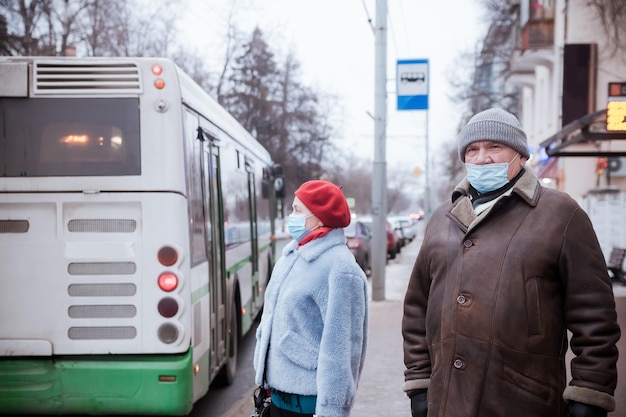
(102, 290)
(102, 311)
(99, 333)
(14, 226)
(102, 225)
(79, 78)
(101, 268)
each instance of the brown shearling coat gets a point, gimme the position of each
(490, 302)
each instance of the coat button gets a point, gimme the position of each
(461, 299)
(458, 364)
(468, 243)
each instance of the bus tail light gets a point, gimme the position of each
(167, 256)
(168, 281)
(168, 307)
(168, 333)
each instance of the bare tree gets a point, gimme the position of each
(101, 27)
(612, 14)
(148, 32)
(231, 45)
(25, 27)
(6, 44)
(287, 117)
(194, 66)
(452, 171)
(93, 27)
(354, 174)
(306, 131)
(400, 184)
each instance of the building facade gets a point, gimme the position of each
(563, 65)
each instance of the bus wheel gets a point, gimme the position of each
(229, 369)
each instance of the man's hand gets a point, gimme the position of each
(419, 403)
(576, 409)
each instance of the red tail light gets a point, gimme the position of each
(168, 307)
(167, 256)
(168, 281)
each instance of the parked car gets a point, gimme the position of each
(358, 239)
(396, 226)
(419, 215)
(393, 247)
(407, 225)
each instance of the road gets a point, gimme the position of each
(219, 400)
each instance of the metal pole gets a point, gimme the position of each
(379, 173)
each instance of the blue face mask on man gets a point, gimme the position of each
(296, 226)
(488, 177)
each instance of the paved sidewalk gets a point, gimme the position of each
(380, 388)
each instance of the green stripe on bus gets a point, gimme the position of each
(237, 266)
(199, 293)
(204, 290)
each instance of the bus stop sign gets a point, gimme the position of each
(412, 84)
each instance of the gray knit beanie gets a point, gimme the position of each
(495, 125)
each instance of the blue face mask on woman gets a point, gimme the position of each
(296, 226)
(488, 177)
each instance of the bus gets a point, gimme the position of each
(137, 224)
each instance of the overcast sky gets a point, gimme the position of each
(334, 42)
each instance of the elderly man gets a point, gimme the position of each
(506, 269)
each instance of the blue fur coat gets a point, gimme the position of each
(316, 320)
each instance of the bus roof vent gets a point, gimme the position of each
(85, 77)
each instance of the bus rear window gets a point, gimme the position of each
(69, 137)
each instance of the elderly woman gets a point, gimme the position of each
(312, 337)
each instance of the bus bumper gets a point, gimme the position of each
(107, 384)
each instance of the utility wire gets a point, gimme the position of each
(404, 26)
(369, 19)
(393, 33)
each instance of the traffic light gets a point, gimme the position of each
(279, 181)
(273, 179)
(279, 186)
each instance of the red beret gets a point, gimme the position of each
(326, 201)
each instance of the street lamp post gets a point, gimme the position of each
(379, 174)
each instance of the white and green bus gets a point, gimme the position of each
(136, 236)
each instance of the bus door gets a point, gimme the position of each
(212, 191)
(253, 219)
